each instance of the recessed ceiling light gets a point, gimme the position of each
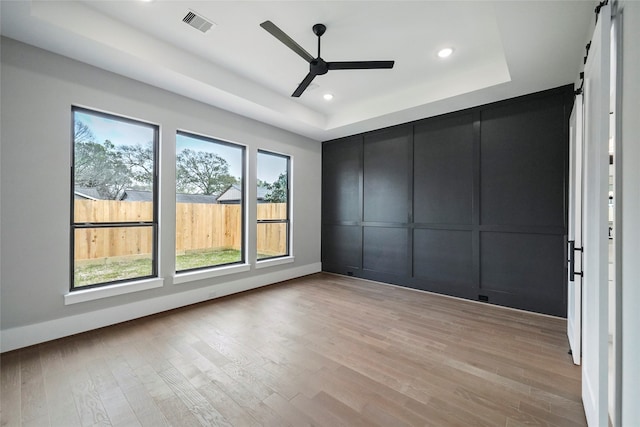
(327, 96)
(446, 52)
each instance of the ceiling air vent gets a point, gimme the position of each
(197, 21)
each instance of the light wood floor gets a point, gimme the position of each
(319, 350)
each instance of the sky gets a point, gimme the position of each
(119, 133)
(124, 133)
(270, 167)
(233, 155)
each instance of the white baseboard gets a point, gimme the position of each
(23, 336)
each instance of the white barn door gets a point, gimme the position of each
(595, 225)
(574, 281)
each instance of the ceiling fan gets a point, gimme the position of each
(318, 66)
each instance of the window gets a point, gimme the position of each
(273, 205)
(209, 202)
(114, 215)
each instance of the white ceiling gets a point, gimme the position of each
(502, 49)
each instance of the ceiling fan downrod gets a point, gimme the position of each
(319, 30)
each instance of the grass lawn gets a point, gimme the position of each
(206, 259)
(90, 273)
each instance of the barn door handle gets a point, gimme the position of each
(572, 260)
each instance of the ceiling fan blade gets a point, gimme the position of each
(302, 86)
(286, 40)
(359, 65)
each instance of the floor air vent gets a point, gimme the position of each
(197, 21)
(483, 298)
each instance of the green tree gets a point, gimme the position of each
(82, 133)
(277, 190)
(139, 160)
(98, 166)
(201, 172)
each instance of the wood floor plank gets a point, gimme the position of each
(10, 389)
(177, 413)
(382, 412)
(118, 409)
(282, 379)
(320, 416)
(33, 397)
(237, 391)
(88, 402)
(42, 421)
(551, 418)
(193, 370)
(61, 405)
(266, 416)
(51, 358)
(287, 411)
(145, 407)
(363, 382)
(454, 412)
(331, 383)
(210, 353)
(153, 383)
(322, 350)
(245, 377)
(341, 411)
(205, 413)
(224, 404)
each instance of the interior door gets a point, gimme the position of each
(574, 279)
(595, 224)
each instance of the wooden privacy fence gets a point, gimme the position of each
(199, 227)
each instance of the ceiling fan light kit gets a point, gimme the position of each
(317, 65)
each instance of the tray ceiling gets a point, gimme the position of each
(501, 50)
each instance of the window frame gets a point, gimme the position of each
(243, 204)
(286, 221)
(153, 224)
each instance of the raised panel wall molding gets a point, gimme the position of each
(469, 204)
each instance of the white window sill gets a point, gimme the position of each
(275, 261)
(111, 290)
(191, 276)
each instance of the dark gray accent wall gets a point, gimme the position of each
(470, 204)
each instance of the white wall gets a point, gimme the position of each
(630, 205)
(38, 90)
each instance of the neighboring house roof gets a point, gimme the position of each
(83, 193)
(147, 196)
(137, 196)
(196, 198)
(142, 196)
(262, 192)
(233, 194)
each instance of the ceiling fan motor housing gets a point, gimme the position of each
(318, 67)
